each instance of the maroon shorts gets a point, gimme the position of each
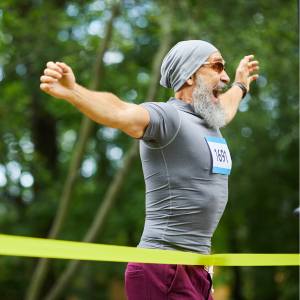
(167, 282)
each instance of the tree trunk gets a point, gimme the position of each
(236, 290)
(42, 267)
(44, 134)
(118, 180)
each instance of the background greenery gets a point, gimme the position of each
(39, 133)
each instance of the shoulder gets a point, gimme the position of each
(164, 122)
(158, 105)
(161, 110)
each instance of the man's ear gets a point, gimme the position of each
(190, 81)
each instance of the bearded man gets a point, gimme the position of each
(185, 160)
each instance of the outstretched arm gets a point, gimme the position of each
(232, 98)
(104, 108)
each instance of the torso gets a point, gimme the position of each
(184, 199)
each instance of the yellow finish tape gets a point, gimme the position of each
(36, 247)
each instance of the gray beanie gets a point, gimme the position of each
(182, 61)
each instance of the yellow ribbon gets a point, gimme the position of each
(36, 247)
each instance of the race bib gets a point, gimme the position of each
(220, 155)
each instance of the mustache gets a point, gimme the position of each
(219, 87)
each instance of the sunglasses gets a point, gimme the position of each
(216, 66)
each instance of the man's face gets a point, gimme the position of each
(212, 78)
(211, 111)
(205, 99)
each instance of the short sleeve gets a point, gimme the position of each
(164, 123)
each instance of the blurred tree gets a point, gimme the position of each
(85, 130)
(121, 175)
(263, 137)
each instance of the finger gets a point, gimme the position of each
(53, 66)
(244, 62)
(46, 87)
(52, 73)
(254, 69)
(64, 67)
(253, 77)
(48, 79)
(253, 63)
(250, 57)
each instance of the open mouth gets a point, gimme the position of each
(216, 92)
(216, 95)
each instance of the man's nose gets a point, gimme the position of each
(224, 77)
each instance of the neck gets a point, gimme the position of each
(185, 94)
(184, 97)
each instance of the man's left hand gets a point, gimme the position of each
(244, 69)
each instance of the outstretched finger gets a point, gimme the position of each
(244, 62)
(250, 57)
(253, 63)
(253, 77)
(254, 69)
(64, 67)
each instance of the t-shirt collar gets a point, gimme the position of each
(183, 106)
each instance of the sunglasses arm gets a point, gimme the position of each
(220, 68)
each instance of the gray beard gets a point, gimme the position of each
(213, 113)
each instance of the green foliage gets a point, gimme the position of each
(39, 132)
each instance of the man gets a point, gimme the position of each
(185, 160)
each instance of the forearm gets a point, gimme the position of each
(104, 108)
(230, 101)
(232, 98)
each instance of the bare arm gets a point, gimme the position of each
(230, 101)
(232, 98)
(104, 108)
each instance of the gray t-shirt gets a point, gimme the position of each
(184, 199)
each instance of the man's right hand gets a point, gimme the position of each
(58, 81)
(104, 108)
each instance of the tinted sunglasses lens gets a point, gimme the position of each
(219, 67)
